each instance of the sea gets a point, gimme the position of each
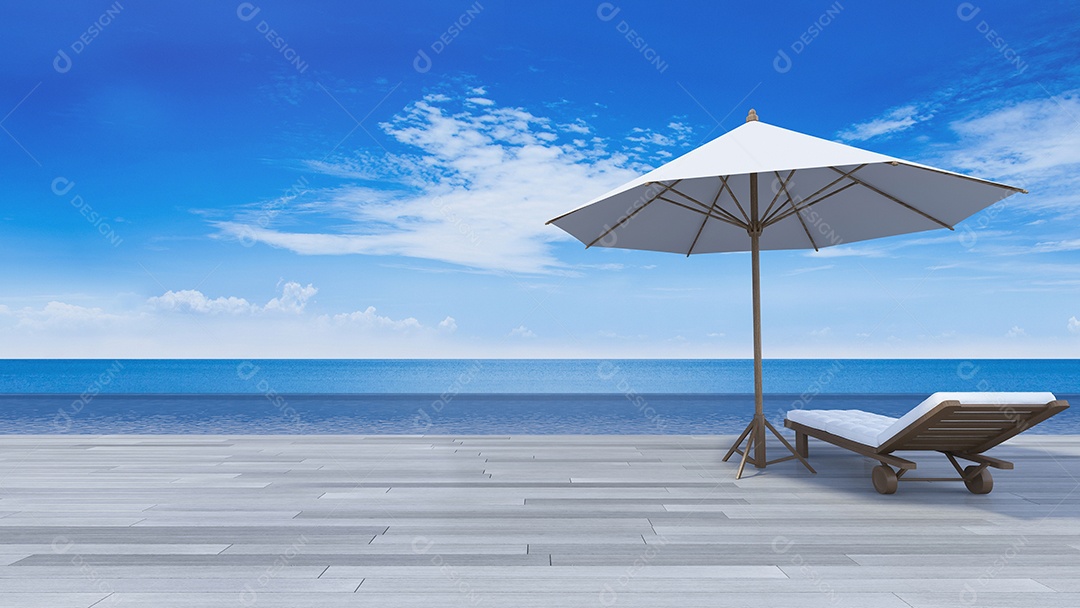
(485, 396)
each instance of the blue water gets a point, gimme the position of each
(483, 396)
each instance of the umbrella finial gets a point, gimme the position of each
(752, 116)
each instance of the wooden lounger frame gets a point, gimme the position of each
(958, 430)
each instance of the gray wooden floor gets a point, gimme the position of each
(208, 521)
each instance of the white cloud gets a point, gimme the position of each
(683, 132)
(58, 315)
(1054, 246)
(192, 300)
(578, 126)
(820, 333)
(449, 325)
(521, 332)
(370, 319)
(799, 271)
(845, 251)
(648, 136)
(480, 101)
(293, 298)
(1024, 138)
(482, 179)
(894, 121)
(1033, 144)
(1015, 332)
(1073, 325)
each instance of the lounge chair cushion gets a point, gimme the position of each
(856, 425)
(874, 429)
(978, 398)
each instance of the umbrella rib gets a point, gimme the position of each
(741, 210)
(769, 219)
(631, 214)
(783, 216)
(892, 198)
(783, 187)
(718, 218)
(745, 223)
(791, 201)
(704, 206)
(701, 228)
(572, 212)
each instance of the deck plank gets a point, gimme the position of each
(527, 521)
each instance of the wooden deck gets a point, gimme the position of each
(326, 521)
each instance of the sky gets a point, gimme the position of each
(347, 180)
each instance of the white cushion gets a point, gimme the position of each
(979, 398)
(856, 425)
(875, 429)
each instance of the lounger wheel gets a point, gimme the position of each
(979, 484)
(885, 480)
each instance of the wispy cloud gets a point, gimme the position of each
(1034, 143)
(894, 121)
(1022, 139)
(521, 332)
(188, 323)
(798, 271)
(847, 251)
(1055, 246)
(369, 318)
(58, 315)
(1015, 332)
(478, 179)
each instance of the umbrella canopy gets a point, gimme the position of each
(763, 187)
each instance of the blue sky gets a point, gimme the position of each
(271, 179)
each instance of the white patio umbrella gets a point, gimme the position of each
(763, 187)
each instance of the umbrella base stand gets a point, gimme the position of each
(753, 433)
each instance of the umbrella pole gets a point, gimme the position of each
(754, 434)
(755, 263)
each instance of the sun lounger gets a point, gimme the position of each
(960, 425)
